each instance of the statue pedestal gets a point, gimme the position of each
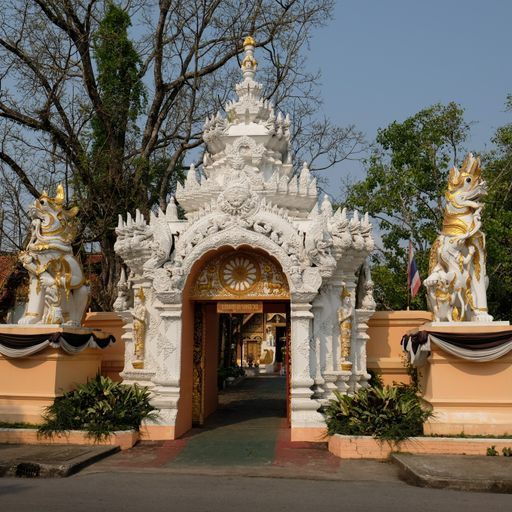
(473, 397)
(31, 381)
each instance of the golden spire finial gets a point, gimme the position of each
(249, 63)
(249, 41)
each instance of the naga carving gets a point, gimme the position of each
(58, 293)
(457, 281)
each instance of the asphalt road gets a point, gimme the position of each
(138, 492)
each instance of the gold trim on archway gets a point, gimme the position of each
(240, 275)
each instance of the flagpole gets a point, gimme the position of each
(408, 275)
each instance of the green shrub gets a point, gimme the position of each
(384, 412)
(492, 452)
(375, 379)
(99, 407)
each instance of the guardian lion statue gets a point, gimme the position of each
(58, 291)
(457, 281)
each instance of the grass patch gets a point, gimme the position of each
(462, 435)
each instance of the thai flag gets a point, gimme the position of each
(413, 276)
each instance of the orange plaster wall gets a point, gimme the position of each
(211, 320)
(28, 384)
(308, 434)
(158, 433)
(184, 417)
(383, 350)
(467, 396)
(112, 360)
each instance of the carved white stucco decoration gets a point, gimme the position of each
(58, 293)
(458, 280)
(249, 197)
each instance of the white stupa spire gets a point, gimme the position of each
(249, 64)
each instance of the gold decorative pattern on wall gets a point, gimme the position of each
(198, 367)
(240, 274)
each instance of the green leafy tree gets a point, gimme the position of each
(404, 190)
(497, 222)
(112, 186)
(73, 106)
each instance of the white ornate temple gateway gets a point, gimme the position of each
(256, 239)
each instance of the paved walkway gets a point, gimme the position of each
(244, 430)
(248, 435)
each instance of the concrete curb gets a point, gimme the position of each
(27, 466)
(253, 472)
(463, 473)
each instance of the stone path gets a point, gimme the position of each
(243, 431)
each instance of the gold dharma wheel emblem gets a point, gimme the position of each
(239, 274)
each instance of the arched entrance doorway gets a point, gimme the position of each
(239, 315)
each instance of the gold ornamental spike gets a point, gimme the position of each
(140, 294)
(59, 197)
(454, 179)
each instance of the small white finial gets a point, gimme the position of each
(172, 211)
(327, 206)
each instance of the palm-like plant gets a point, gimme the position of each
(384, 412)
(99, 407)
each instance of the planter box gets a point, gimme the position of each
(366, 447)
(123, 438)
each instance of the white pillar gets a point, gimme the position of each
(362, 316)
(303, 406)
(168, 363)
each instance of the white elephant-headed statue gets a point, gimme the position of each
(458, 281)
(58, 290)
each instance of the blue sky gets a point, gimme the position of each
(384, 60)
